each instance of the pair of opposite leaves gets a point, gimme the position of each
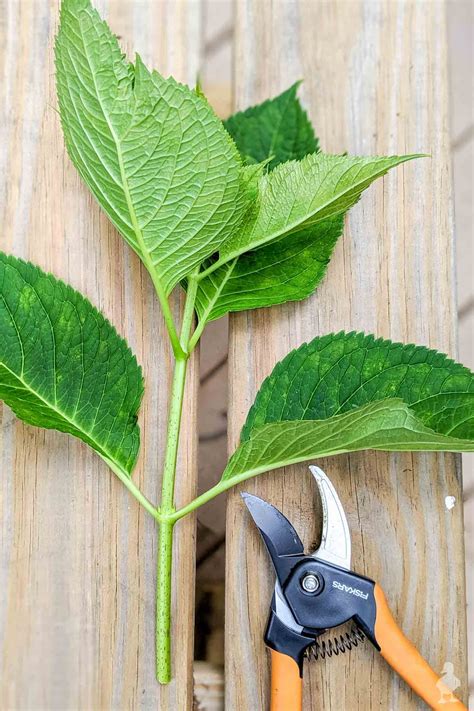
(255, 206)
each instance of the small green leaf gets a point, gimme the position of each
(278, 129)
(349, 391)
(302, 193)
(63, 366)
(287, 270)
(152, 151)
(284, 246)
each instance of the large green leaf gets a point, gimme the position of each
(299, 194)
(63, 366)
(151, 150)
(287, 270)
(278, 129)
(349, 391)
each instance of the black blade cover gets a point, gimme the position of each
(278, 534)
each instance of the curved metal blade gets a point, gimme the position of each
(335, 544)
(277, 532)
(281, 538)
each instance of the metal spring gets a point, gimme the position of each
(335, 646)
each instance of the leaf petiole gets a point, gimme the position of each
(187, 344)
(178, 350)
(133, 488)
(208, 495)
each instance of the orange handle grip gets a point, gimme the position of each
(403, 656)
(287, 685)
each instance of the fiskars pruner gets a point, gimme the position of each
(315, 593)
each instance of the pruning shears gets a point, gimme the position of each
(315, 593)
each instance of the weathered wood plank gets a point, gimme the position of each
(375, 82)
(78, 554)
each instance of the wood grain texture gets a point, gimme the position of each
(77, 553)
(375, 83)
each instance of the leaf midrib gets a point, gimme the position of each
(135, 224)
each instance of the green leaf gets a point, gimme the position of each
(349, 391)
(278, 129)
(287, 239)
(287, 270)
(63, 366)
(387, 425)
(152, 151)
(302, 193)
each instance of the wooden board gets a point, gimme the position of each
(375, 83)
(77, 553)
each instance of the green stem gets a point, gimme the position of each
(176, 404)
(165, 547)
(189, 313)
(163, 603)
(196, 335)
(172, 441)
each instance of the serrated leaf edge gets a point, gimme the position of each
(12, 261)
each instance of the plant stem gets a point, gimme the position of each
(166, 511)
(176, 404)
(163, 603)
(189, 313)
(165, 545)
(172, 441)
